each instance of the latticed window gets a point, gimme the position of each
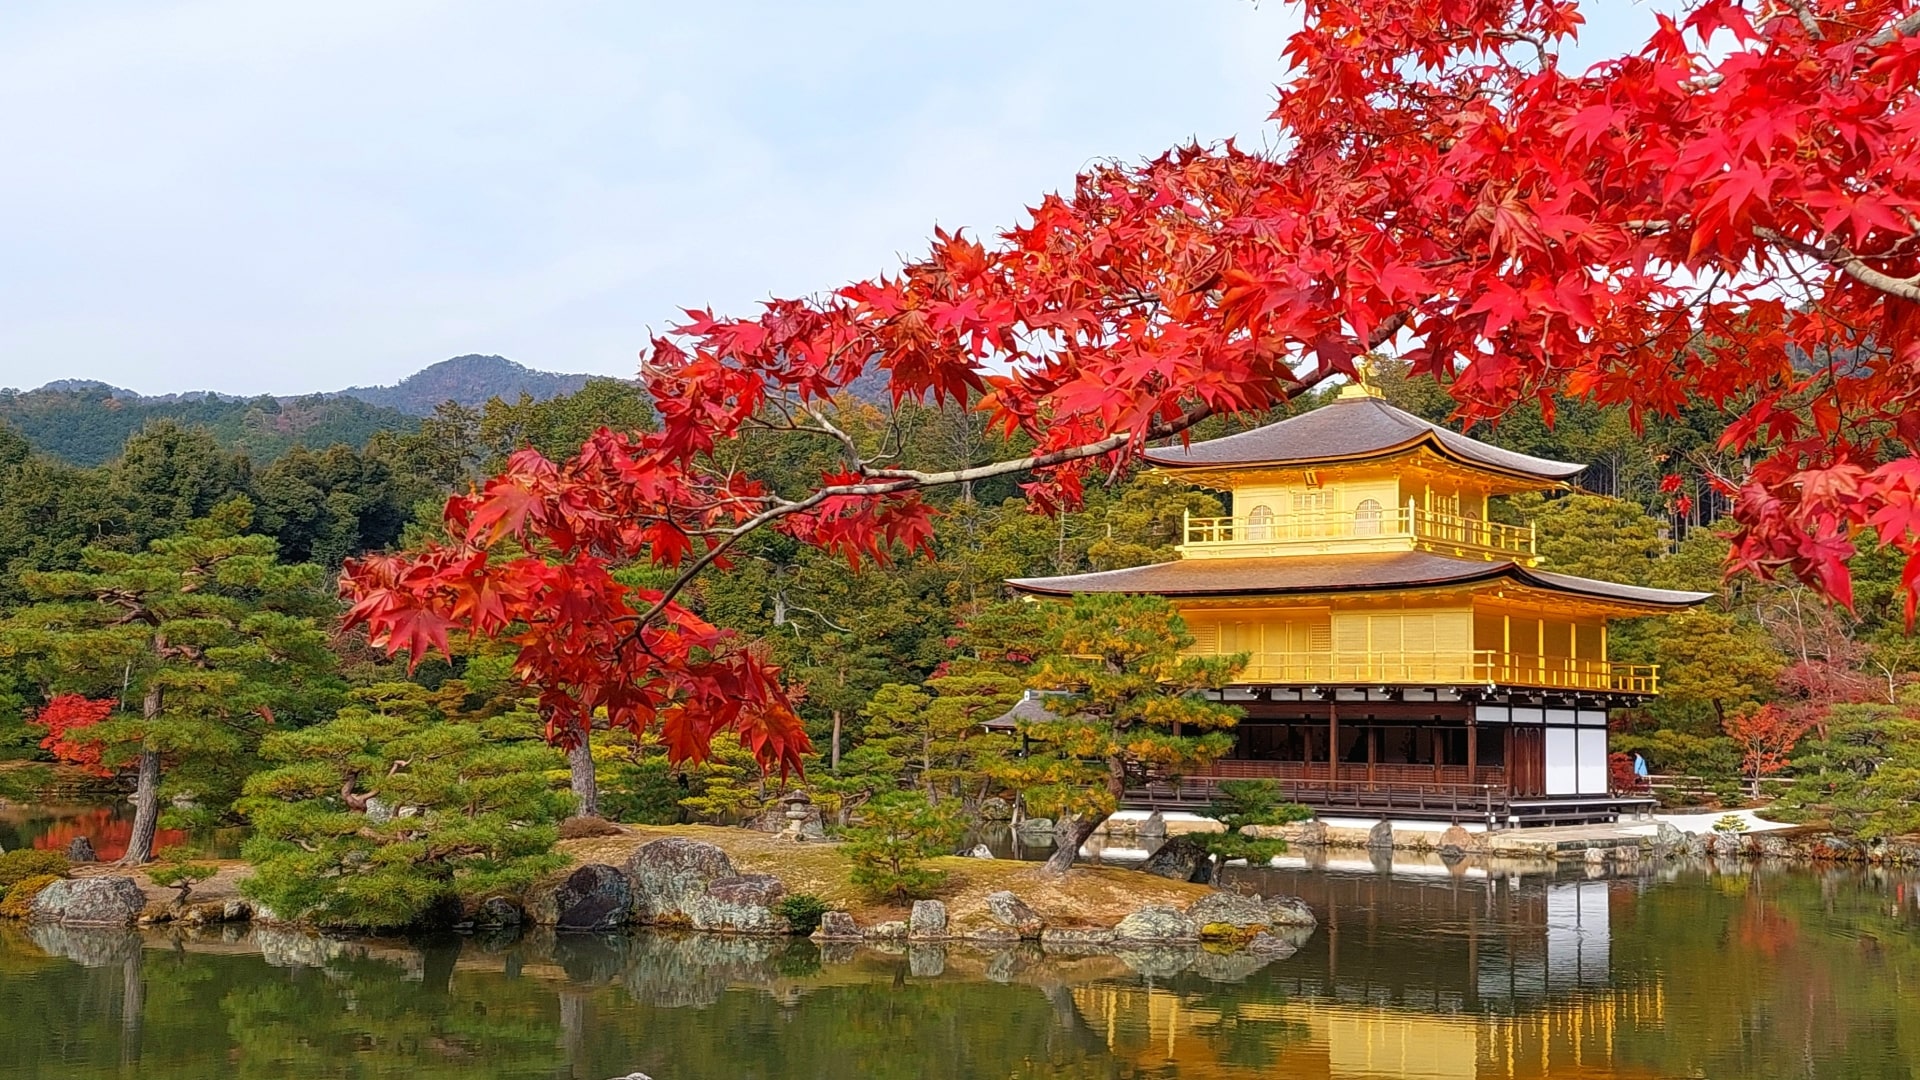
(1260, 523)
(1366, 518)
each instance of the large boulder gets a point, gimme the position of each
(1380, 837)
(669, 875)
(928, 921)
(837, 926)
(742, 905)
(980, 851)
(594, 898)
(1156, 925)
(1011, 912)
(1180, 859)
(1034, 829)
(94, 901)
(1290, 911)
(1154, 826)
(1229, 916)
(1455, 843)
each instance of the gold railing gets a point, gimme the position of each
(1453, 668)
(1429, 529)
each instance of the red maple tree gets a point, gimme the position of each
(1727, 215)
(67, 714)
(1766, 737)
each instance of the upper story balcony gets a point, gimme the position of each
(1368, 527)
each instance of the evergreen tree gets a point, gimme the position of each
(209, 633)
(400, 808)
(1133, 704)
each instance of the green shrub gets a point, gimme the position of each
(1238, 845)
(802, 912)
(17, 901)
(182, 876)
(17, 866)
(1729, 824)
(1239, 803)
(901, 830)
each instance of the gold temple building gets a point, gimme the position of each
(1409, 657)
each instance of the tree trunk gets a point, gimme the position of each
(1068, 846)
(586, 788)
(836, 740)
(146, 790)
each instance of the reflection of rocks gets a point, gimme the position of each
(695, 969)
(1229, 967)
(293, 949)
(88, 946)
(926, 961)
(838, 952)
(1153, 925)
(1158, 961)
(96, 901)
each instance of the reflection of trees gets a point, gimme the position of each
(106, 829)
(1761, 976)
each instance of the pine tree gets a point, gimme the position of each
(400, 808)
(209, 633)
(1131, 703)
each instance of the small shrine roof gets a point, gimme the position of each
(1370, 572)
(1348, 428)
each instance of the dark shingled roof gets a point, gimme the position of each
(1347, 428)
(1031, 709)
(1347, 573)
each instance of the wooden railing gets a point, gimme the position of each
(1460, 802)
(1453, 667)
(1428, 529)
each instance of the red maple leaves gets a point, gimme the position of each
(1730, 215)
(68, 714)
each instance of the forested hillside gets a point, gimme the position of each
(86, 423)
(470, 380)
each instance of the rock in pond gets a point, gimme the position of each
(837, 926)
(1154, 826)
(887, 931)
(95, 901)
(1224, 915)
(1380, 837)
(1071, 939)
(1011, 912)
(1455, 843)
(669, 875)
(594, 898)
(928, 921)
(1035, 829)
(980, 851)
(1181, 859)
(1155, 925)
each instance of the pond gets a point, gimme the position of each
(1418, 970)
(108, 827)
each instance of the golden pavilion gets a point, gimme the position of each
(1409, 657)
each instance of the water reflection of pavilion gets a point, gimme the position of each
(1199, 1035)
(1435, 971)
(1456, 940)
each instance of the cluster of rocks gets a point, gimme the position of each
(676, 883)
(1269, 926)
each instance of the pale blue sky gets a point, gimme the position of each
(287, 197)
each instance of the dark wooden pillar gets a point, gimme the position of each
(1473, 748)
(1373, 751)
(1333, 739)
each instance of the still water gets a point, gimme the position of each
(1416, 971)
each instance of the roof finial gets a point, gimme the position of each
(1361, 386)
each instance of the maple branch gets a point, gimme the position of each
(1849, 264)
(1907, 27)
